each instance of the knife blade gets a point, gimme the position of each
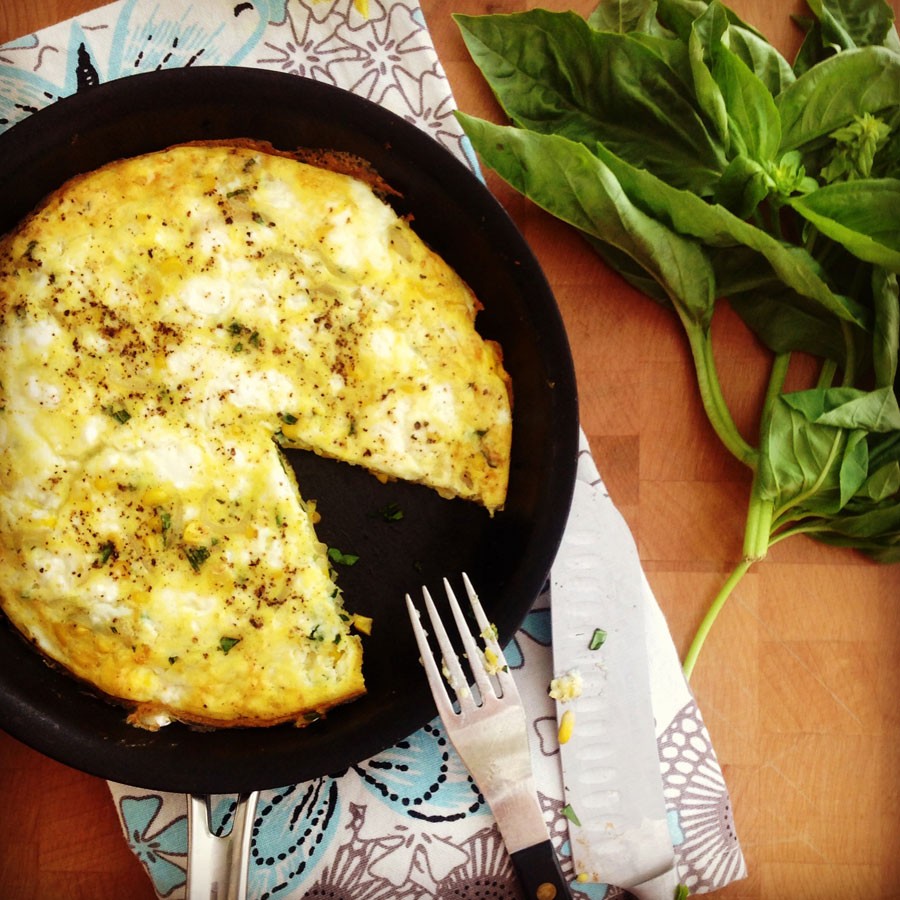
(611, 773)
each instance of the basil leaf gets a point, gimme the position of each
(341, 558)
(874, 530)
(626, 16)
(752, 115)
(769, 66)
(553, 73)
(679, 15)
(196, 556)
(862, 215)
(729, 90)
(820, 466)
(706, 33)
(853, 23)
(848, 407)
(565, 179)
(834, 91)
(882, 484)
(716, 226)
(812, 49)
(886, 328)
(786, 322)
(227, 644)
(742, 187)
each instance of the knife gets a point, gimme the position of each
(611, 773)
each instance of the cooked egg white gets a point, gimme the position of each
(167, 322)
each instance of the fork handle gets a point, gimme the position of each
(539, 873)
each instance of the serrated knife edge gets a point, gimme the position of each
(611, 768)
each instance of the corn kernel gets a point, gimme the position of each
(566, 726)
(154, 496)
(292, 431)
(363, 624)
(491, 661)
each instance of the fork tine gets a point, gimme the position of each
(457, 679)
(455, 675)
(485, 627)
(476, 661)
(502, 671)
(435, 679)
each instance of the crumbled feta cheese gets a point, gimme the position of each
(565, 688)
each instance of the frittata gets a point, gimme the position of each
(167, 324)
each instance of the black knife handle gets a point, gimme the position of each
(539, 873)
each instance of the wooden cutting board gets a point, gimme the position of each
(800, 678)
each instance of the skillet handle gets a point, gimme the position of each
(540, 874)
(218, 866)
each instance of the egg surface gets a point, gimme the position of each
(169, 322)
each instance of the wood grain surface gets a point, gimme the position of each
(799, 682)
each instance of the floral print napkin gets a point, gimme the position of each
(408, 823)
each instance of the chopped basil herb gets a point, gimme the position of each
(226, 643)
(312, 716)
(165, 519)
(342, 559)
(196, 556)
(106, 552)
(287, 418)
(598, 639)
(237, 193)
(682, 892)
(258, 219)
(121, 415)
(569, 813)
(391, 513)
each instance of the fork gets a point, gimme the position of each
(490, 736)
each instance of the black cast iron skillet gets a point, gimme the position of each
(508, 556)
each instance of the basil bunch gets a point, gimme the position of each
(704, 167)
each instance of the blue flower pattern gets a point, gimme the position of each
(386, 55)
(154, 847)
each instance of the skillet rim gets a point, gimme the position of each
(73, 124)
